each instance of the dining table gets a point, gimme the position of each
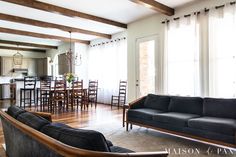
(51, 92)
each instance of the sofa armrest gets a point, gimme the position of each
(138, 103)
(45, 115)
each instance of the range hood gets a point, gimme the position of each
(20, 70)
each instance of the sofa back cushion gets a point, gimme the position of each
(32, 120)
(158, 102)
(14, 111)
(193, 105)
(80, 138)
(215, 107)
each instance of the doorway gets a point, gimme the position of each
(146, 80)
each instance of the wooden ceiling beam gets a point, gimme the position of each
(27, 44)
(64, 11)
(22, 49)
(156, 6)
(28, 21)
(39, 35)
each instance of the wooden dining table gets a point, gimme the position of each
(51, 94)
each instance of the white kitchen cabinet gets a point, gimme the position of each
(6, 66)
(31, 64)
(41, 66)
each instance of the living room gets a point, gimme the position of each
(174, 58)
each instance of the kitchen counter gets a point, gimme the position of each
(7, 83)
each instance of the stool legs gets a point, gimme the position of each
(20, 98)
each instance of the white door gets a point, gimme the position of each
(146, 50)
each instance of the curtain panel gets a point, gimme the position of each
(107, 63)
(182, 56)
(201, 54)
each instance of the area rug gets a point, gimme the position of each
(142, 139)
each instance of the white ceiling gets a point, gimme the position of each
(174, 3)
(123, 11)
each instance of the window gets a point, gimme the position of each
(222, 52)
(107, 63)
(183, 57)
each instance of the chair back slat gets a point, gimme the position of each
(122, 89)
(29, 82)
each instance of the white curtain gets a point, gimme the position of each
(222, 51)
(108, 65)
(182, 57)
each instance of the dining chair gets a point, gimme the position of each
(76, 94)
(27, 93)
(58, 96)
(120, 99)
(92, 92)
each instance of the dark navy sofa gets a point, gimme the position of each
(27, 134)
(208, 119)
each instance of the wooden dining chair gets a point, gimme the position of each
(27, 93)
(44, 90)
(92, 92)
(121, 98)
(58, 96)
(76, 94)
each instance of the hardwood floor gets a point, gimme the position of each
(77, 119)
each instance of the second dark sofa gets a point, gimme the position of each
(208, 119)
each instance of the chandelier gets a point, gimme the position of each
(17, 58)
(73, 58)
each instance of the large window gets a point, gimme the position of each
(183, 57)
(208, 68)
(222, 52)
(107, 63)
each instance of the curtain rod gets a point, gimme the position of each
(110, 41)
(198, 12)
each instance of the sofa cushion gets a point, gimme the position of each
(116, 149)
(14, 111)
(192, 105)
(214, 124)
(143, 113)
(32, 120)
(215, 107)
(174, 118)
(158, 102)
(84, 139)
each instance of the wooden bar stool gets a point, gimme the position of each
(45, 88)
(28, 90)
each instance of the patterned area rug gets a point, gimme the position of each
(142, 139)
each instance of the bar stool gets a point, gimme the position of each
(29, 88)
(45, 89)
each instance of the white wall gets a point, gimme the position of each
(153, 26)
(82, 70)
(53, 53)
(25, 54)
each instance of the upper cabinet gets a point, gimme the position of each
(41, 66)
(35, 66)
(31, 66)
(6, 66)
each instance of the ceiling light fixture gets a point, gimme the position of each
(73, 58)
(17, 57)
